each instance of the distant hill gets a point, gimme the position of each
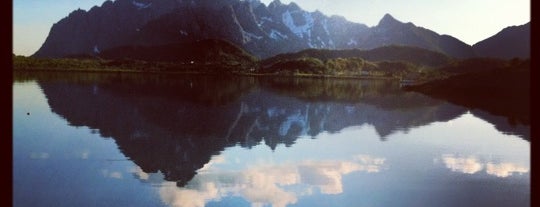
(414, 55)
(511, 42)
(339, 67)
(262, 30)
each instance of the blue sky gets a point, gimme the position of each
(468, 20)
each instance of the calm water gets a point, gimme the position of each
(132, 140)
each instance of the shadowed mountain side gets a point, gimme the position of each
(511, 42)
(170, 129)
(209, 51)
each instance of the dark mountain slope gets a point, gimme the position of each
(204, 51)
(511, 42)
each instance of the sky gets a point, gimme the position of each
(468, 20)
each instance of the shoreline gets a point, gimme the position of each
(128, 71)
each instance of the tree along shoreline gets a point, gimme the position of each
(287, 66)
(29, 64)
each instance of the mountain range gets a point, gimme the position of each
(262, 30)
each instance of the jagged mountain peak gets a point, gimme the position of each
(388, 20)
(293, 6)
(275, 3)
(254, 3)
(525, 27)
(78, 11)
(107, 3)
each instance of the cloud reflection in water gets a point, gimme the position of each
(472, 165)
(276, 184)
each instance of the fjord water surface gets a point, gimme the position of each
(89, 139)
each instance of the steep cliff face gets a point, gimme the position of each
(260, 29)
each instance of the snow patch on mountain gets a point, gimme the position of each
(352, 42)
(276, 35)
(264, 20)
(295, 119)
(325, 26)
(247, 36)
(267, 19)
(299, 30)
(274, 112)
(331, 44)
(140, 5)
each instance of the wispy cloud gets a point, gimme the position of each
(85, 155)
(468, 165)
(277, 185)
(111, 174)
(505, 169)
(472, 165)
(39, 155)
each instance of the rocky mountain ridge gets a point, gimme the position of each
(263, 30)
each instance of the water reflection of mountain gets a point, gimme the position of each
(175, 126)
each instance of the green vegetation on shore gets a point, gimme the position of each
(341, 67)
(205, 56)
(221, 57)
(302, 67)
(21, 63)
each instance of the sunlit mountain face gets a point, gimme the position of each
(255, 141)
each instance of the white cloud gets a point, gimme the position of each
(471, 165)
(327, 176)
(504, 169)
(369, 163)
(139, 173)
(85, 155)
(117, 175)
(216, 159)
(268, 184)
(147, 177)
(39, 155)
(176, 197)
(468, 165)
(114, 174)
